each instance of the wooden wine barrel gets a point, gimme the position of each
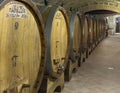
(105, 28)
(75, 36)
(75, 44)
(103, 25)
(57, 34)
(91, 30)
(97, 29)
(94, 29)
(85, 32)
(22, 47)
(100, 28)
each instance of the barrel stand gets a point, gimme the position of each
(18, 88)
(90, 49)
(102, 38)
(96, 43)
(93, 45)
(99, 40)
(50, 85)
(87, 52)
(71, 68)
(83, 56)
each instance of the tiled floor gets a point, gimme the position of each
(101, 71)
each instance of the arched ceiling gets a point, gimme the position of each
(86, 5)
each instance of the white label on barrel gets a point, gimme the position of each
(17, 11)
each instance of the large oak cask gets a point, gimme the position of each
(22, 47)
(58, 38)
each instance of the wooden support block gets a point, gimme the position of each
(50, 85)
(96, 43)
(83, 57)
(71, 68)
(87, 52)
(90, 49)
(93, 45)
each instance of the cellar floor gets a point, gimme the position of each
(101, 71)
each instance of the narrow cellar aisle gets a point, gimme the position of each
(101, 71)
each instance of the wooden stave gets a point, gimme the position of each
(38, 18)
